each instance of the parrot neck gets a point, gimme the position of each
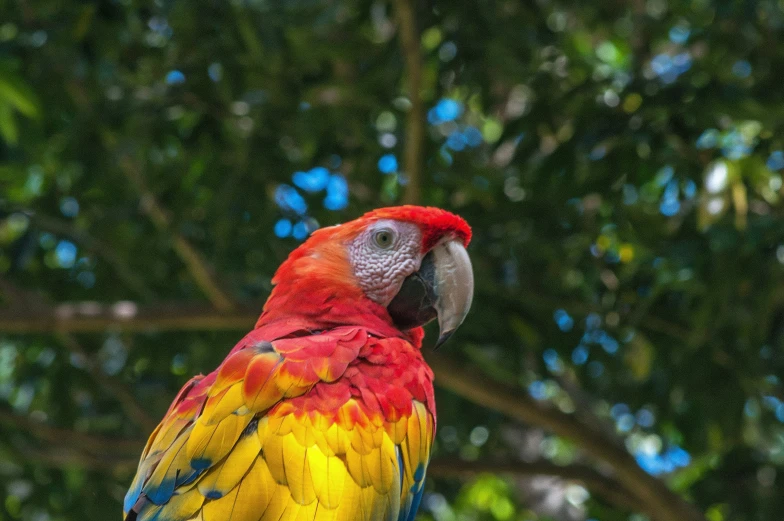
(315, 289)
(312, 305)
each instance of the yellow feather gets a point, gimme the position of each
(165, 435)
(408, 477)
(325, 514)
(329, 475)
(305, 512)
(408, 471)
(224, 477)
(320, 439)
(218, 408)
(395, 491)
(268, 394)
(173, 459)
(286, 424)
(349, 508)
(413, 440)
(254, 493)
(371, 505)
(357, 467)
(298, 471)
(281, 498)
(397, 430)
(377, 468)
(184, 505)
(257, 494)
(284, 380)
(220, 509)
(318, 464)
(347, 414)
(321, 422)
(275, 422)
(365, 439)
(158, 433)
(378, 435)
(423, 417)
(262, 428)
(272, 450)
(386, 476)
(180, 506)
(361, 441)
(259, 483)
(298, 390)
(303, 431)
(288, 512)
(337, 439)
(213, 442)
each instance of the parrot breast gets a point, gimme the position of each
(330, 426)
(325, 411)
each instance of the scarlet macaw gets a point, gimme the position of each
(325, 411)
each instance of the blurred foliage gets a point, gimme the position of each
(620, 163)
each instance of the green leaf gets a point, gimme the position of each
(8, 128)
(15, 91)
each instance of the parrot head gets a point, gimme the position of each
(401, 267)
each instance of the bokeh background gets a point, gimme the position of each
(620, 163)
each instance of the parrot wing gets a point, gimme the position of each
(246, 443)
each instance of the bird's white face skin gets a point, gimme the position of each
(383, 255)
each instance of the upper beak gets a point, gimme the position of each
(443, 288)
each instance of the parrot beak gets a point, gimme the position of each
(443, 288)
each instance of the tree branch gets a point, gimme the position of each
(109, 454)
(109, 460)
(123, 271)
(128, 402)
(197, 266)
(408, 36)
(91, 443)
(27, 302)
(661, 503)
(91, 317)
(600, 484)
(68, 457)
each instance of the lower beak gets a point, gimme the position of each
(442, 288)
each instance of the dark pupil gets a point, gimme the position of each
(383, 238)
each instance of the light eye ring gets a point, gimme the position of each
(384, 238)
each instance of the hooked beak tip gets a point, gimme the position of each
(442, 339)
(442, 288)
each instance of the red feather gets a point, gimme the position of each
(322, 355)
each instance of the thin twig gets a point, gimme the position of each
(27, 302)
(124, 273)
(68, 457)
(94, 317)
(660, 502)
(198, 268)
(409, 38)
(133, 410)
(600, 484)
(91, 443)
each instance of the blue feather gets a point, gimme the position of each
(404, 507)
(416, 502)
(409, 510)
(132, 496)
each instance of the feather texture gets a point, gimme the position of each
(323, 427)
(324, 412)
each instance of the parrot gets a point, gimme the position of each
(325, 411)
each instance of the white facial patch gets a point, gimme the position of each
(381, 268)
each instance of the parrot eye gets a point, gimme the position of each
(384, 238)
